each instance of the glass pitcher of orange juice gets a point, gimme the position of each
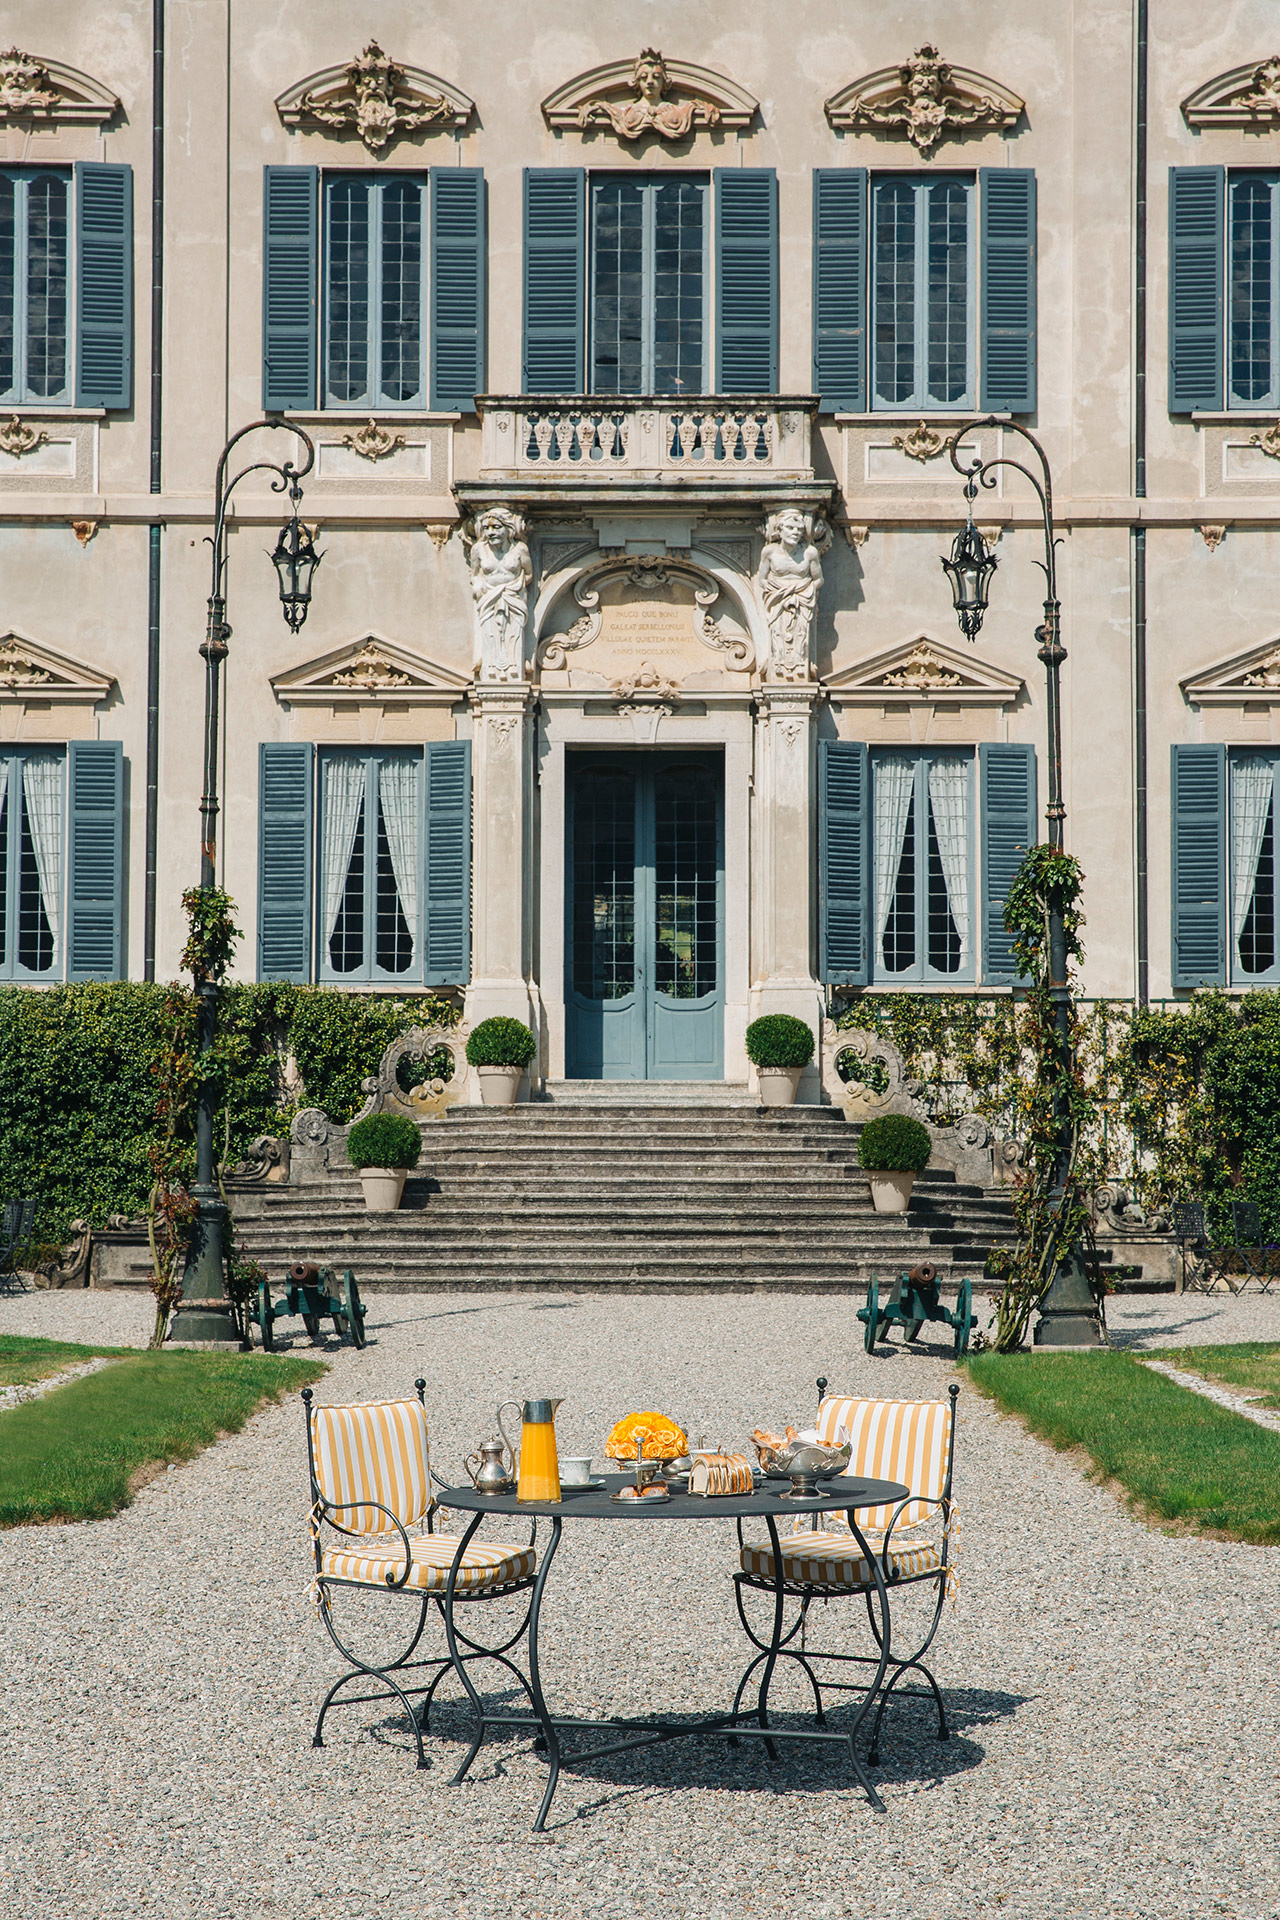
(537, 1462)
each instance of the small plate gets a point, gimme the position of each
(580, 1486)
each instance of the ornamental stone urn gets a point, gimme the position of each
(778, 1085)
(498, 1085)
(891, 1192)
(383, 1188)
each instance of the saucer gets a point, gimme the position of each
(580, 1486)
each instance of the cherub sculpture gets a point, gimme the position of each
(501, 570)
(788, 579)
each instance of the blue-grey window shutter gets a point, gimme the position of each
(1199, 866)
(446, 945)
(746, 279)
(844, 862)
(95, 859)
(1008, 776)
(457, 287)
(290, 287)
(285, 861)
(1197, 198)
(1008, 298)
(555, 275)
(104, 285)
(840, 288)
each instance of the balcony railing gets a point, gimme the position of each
(579, 440)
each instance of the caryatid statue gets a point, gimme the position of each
(788, 578)
(501, 571)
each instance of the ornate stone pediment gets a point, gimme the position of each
(649, 94)
(1248, 96)
(922, 673)
(42, 91)
(29, 671)
(375, 98)
(372, 671)
(925, 99)
(1242, 680)
(642, 625)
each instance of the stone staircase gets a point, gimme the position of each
(675, 1193)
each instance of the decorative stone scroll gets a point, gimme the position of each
(42, 90)
(375, 98)
(1247, 96)
(649, 95)
(501, 571)
(318, 1145)
(17, 438)
(647, 614)
(28, 669)
(370, 669)
(879, 1085)
(1247, 678)
(789, 578)
(921, 443)
(926, 99)
(372, 441)
(921, 671)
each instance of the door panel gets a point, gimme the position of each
(644, 994)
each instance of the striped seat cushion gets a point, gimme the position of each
(377, 1451)
(485, 1564)
(834, 1560)
(903, 1440)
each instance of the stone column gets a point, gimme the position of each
(501, 910)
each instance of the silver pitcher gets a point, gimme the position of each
(492, 1476)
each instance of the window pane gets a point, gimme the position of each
(1253, 885)
(46, 286)
(38, 842)
(947, 292)
(6, 814)
(346, 942)
(898, 942)
(685, 834)
(8, 281)
(1252, 288)
(617, 294)
(677, 283)
(944, 936)
(396, 880)
(604, 863)
(894, 265)
(347, 293)
(401, 345)
(393, 940)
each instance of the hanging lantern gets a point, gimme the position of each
(295, 560)
(969, 570)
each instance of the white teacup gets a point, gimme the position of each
(575, 1473)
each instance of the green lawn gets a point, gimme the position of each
(1254, 1365)
(1179, 1456)
(24, 1361)
(73, 1455)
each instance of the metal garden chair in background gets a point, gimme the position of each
(15, 1240)
(371, 1481)
(1261, 1263)
(1199, 1260)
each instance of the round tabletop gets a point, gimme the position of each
(597, 1503)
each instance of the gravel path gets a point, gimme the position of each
(1114, 1689)
(1214, 1390)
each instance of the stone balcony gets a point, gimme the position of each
(576, 447)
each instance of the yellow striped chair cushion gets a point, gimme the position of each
(485, 1564)
(904, 1440)
(834, 1560)
(373, 1452)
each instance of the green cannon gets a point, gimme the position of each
(913, 1301)
(312, 1293)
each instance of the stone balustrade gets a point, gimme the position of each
(560, 438)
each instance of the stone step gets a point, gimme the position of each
(646, 1093)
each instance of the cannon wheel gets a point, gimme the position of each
(871, 1312)
(963, 1317)
(354, 1312)
(264, 1317)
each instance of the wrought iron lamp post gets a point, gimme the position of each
(204, 1312)
(1068, 1313)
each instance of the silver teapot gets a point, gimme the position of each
(493, 1475)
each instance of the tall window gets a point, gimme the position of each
(648, 283)
(1252, 838)
(370, 860)
(1253, 352)
(34, 285)
(32, 839)
(922, 853)
(922, 292)
(374, 282)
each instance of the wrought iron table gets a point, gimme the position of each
(770, 1501)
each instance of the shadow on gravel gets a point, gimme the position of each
(911, 1755)
(1163, 1333)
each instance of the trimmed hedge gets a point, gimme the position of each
(779, 1040)
(894, 1143)
(500, 1042)
(384, 1140)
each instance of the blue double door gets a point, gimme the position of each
(645, 901)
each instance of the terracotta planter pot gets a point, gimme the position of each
(891, 1192)
(498, 1085)
(778, 1085)
(383, 1187)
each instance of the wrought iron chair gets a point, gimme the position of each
(15, 1240)
(913, 1442)
(1198, 1258)
(371, 1481)
(1261, 1263)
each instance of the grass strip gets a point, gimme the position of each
(23, 1361)
(73, 1454)
(1253, 1365)
(1178, 1456)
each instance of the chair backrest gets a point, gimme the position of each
(1188, 1220)
(906, 1440)
(377, 1451)
(1246, 1224)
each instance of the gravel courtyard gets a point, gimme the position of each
(1115, 1692)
